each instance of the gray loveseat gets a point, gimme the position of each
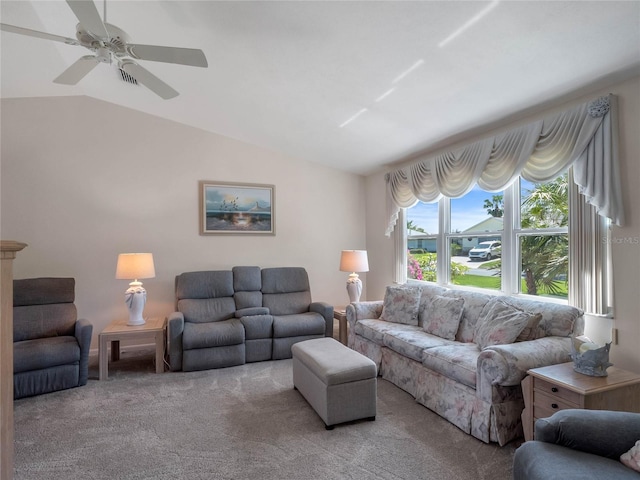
(476, 387)
(579, 444)
(247, 314)
(50, 345)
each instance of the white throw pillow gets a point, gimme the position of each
(401, 304)
(443, 316)
(499, 324)
(530, 330)
(632, 458)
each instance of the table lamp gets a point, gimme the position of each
(133, 266)
(354, 261)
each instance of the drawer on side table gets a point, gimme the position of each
(546, 405)
(556, 391)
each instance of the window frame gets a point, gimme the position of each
(510, 240)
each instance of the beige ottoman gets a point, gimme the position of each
(339, 383)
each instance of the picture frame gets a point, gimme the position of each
(228, 208)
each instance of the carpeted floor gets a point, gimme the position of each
(243, 422)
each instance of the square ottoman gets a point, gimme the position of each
(339, 383)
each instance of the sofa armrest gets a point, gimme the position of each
(599, 432)
(83, 332)
(363, 310)
(175, 329)
(326, 311)
(507, 365)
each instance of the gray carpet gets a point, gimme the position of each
(243, 422)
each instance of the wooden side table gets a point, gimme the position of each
(549, 389)
(340, 314)
(119, 330)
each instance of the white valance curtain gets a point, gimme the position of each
(584, 136)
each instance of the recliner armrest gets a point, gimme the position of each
(600, 432)
(83, 332)
(326, 310)
(175, 329)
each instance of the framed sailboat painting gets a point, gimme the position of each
(236, 208)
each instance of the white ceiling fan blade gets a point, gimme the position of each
(35, 33)
(77, 71)
(149, 80)
(89, 17)
(183, 56)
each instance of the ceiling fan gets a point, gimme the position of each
(108, 44)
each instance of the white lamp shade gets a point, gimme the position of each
(135, 265)
(354, 261)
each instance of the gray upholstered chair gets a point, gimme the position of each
(579, 444)
(203, 332)
(50, 345)
(287, 295)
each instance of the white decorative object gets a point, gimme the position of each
(354, 261)
(132, 266)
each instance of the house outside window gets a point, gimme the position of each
(514, 241)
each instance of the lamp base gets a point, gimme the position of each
(135, 297)
(354, 287)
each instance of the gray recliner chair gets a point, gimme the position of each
(579, 444)
(204, 332)
(50, 345)
(287, 295)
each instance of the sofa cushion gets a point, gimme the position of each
(530, 330)
(374, 330)
(284, 280)
(401, 304)
(474, 302)
(43, 291)
(247, 282)
(246, 279)
(443, 316)
(42, 353)
(428, 292)
(557, 319)
(207, 310)
(287, 303)
(209, 284)
(499, 324)
(411, 342)
(257, 326)
(309, 323)
(457, 362)
(212, 334)
(38, 321)
(248, 300)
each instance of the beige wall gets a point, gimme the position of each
(626, 240)
(84, 180)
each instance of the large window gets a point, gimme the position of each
(515, 240)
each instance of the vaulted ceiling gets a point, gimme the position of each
(355, 85)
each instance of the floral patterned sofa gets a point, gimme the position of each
(463, 354)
